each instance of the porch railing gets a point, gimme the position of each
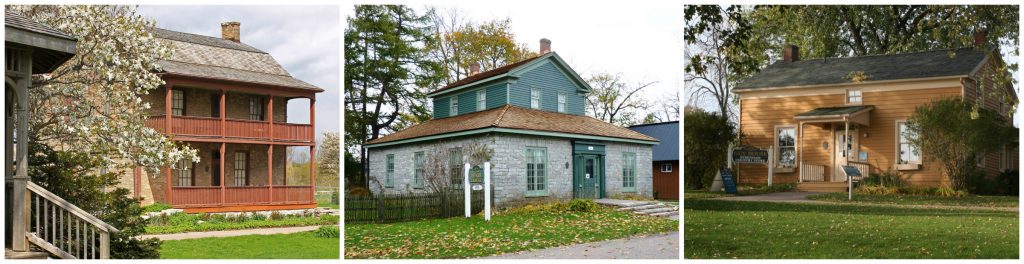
(195, 195)
(291, 132)
(864, 168)
(812, 173)
(233, 128)
(63, 229)
(246, 128)
(201, 196)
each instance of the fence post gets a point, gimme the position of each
(380, 208)
(487, 191)
(466, 188)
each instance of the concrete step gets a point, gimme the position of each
(665, 214)
(641, 207)
(622, 203)
(9, 254)
(657, 210)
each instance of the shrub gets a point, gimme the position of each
(946, 191)
(275, 215)
(259, 216)
(358, 192)
(1010, 180)
(877, 190)
(156, 207)
(327, 232)
(784, 187)
(707, 136)
(888, 178)
(582, 205)
(917, 190)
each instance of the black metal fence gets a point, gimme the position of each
(390, 208)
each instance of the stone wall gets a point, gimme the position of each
(199, 102)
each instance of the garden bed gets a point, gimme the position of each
(182, 222)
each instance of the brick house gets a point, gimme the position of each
(817, 118)
(229, 101)
(665, 158)
(531, 115)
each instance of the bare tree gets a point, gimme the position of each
(707, 79)
(614, 101)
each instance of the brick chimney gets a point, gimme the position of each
(474, 68)
(230, 31)
(980, 37)
(545, 46)
(790, 53)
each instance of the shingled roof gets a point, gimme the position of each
(216, 58)
(933, 63)
(484, 75)
(515, 117)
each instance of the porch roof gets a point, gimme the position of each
(856, 113)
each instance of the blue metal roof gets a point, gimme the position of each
(667, 133)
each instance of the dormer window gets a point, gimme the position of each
(854, 97)
(481, 100)
(561, 102)
(454, 110)
(535, 98)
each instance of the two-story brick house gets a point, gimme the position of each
(229, 101)
(531, 115)
(821, 114)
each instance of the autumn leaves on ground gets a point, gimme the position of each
(519, 229)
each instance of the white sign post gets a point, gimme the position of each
(487, 191)
(465, 187)
(771, 165)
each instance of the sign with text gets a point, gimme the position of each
(851, 171)
(750, 155)
(728, 180)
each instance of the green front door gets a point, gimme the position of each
(588, 177)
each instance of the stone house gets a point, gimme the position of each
(530, 116)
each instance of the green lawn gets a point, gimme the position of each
(302, 245)
(983, 201)
(182, 222)
(508, 232)
(324, 200)
(736, 229)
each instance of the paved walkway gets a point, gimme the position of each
(801, 197)
(659, 246)
(231, 233)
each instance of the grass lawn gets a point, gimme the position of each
(302, 245)
(182, 222)
(507, 232)
(983, 201)
(324, 200)
(738, 229)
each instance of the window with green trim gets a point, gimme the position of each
(389, 171)
(455, 167)
(628, 172)
(481, 100)
(536, 171)
(417, 175)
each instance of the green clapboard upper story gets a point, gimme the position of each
(544, 82)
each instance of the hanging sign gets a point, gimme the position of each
(750, 155)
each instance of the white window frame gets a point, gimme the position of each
(535, 95)
(667, 165)
(453, 105)
(389, 171)
(562, 102)
(900, 141)
(481, 100)
(778, 147)
(541, 172)
(850, 98)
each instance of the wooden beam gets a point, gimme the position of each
(223, 157)
(244, 208)
(239, 86)
(270, 172)
(312, 149)
(223, 116)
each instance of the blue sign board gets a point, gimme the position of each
(729, 181)
(851, 171)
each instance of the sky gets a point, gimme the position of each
(306, 40)
(641, 42)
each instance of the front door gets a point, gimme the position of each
(844, 147)
(215, 164)
(589, 176)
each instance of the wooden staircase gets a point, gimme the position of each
(54, 227)
(824, 187)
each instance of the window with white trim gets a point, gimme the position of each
(785, 142)
(454, 106)
(389, 171)
(561, 102)
(666, 167)
(481, 100)
(628, 172)
(854, 97)
(535, 98)
(907, 152)
(417, 174)
(536, 171)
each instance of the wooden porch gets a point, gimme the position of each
(240, 198)
(212, 127)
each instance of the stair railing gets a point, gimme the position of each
(63, 229)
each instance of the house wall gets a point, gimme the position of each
(666, 184)
(761, 114)
(551, 80)
(199, 103)
(509, 169)
(989, 98)
(467, 99)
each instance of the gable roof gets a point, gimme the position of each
(16, 20)
(933, 63)
(515, 118)
(216, 58)
(667, 133)
(51, 46)
(511, 70)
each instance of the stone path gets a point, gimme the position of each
(658, 246)
(801, 197)
(231, 233)
(651, 208)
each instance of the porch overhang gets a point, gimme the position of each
(859, 114)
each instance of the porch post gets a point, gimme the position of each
(20, 196)
(270, 117)
(270, 171)
(312, 148)
(846, 150)
(223, 123)
(800, 150)
(167, 107)
(223, 157)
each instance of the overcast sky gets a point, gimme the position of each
(642, 42)
(306, 40)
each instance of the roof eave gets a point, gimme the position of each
(293, 88)
(470, 85)
(491, 129)
(740, 90)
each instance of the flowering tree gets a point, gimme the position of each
(92, 104)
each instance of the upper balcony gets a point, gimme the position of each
(210, 127)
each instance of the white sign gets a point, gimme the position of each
(477, 187)
(590, 147)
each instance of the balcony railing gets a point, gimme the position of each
(233, 128)
(203, 196)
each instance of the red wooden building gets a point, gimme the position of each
(229, 101)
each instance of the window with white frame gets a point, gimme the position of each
(184, 172)
(561, 102)
(417, 174)
(481, 100)
(908, 153)
(535, 98)
(785, 142)
(666, 167)
(854, 97)
(455, 167)
(536, 171)
(628, 172)
(454, 106)
(389, 171)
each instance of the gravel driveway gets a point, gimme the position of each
(658, 246)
